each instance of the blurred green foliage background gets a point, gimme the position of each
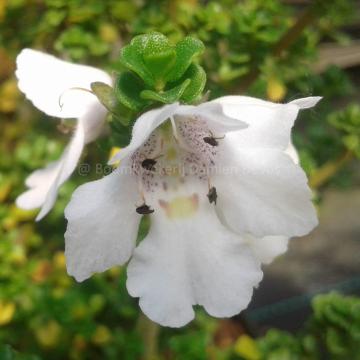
(268, 49)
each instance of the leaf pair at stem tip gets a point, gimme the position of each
(155, 71)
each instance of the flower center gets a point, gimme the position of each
(174, 153)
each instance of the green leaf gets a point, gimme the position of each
(157, 62)
(186, 50)
(106, 95)
(151, 56)
(127, 89)
(335, 342)
(169, 96)
(131, 56)
(121, 133)
(159, 56)
(197, 76)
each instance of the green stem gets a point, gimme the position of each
(305, 19)
(149, 332)
(328, 170)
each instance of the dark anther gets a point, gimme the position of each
(144, 210)
(212, 195)
(148, 164)
(211, 140)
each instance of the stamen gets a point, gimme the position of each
(173, 125)
(144, 209)
(149, 164)
(212, 195)
(180, 142)
(73, 88)
(212, 140)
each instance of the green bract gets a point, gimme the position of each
(106, 95)
(157, 71)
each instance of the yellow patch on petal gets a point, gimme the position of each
(166, 130)
(246, 347)
(7, 311)
(173, 171)
(181, 207)
(171, 154)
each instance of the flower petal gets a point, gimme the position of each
(47, 82)
(196, 260)
(62, 172)
(269, 123)
(39, 183)
(292, 152)
(44, 183)
(102, 224)
(143, 128)
(266, 249)
(93, 121)
(306, 103)
(265, 193)
(213, 113)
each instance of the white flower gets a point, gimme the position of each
(180, 162)
(50, 84)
